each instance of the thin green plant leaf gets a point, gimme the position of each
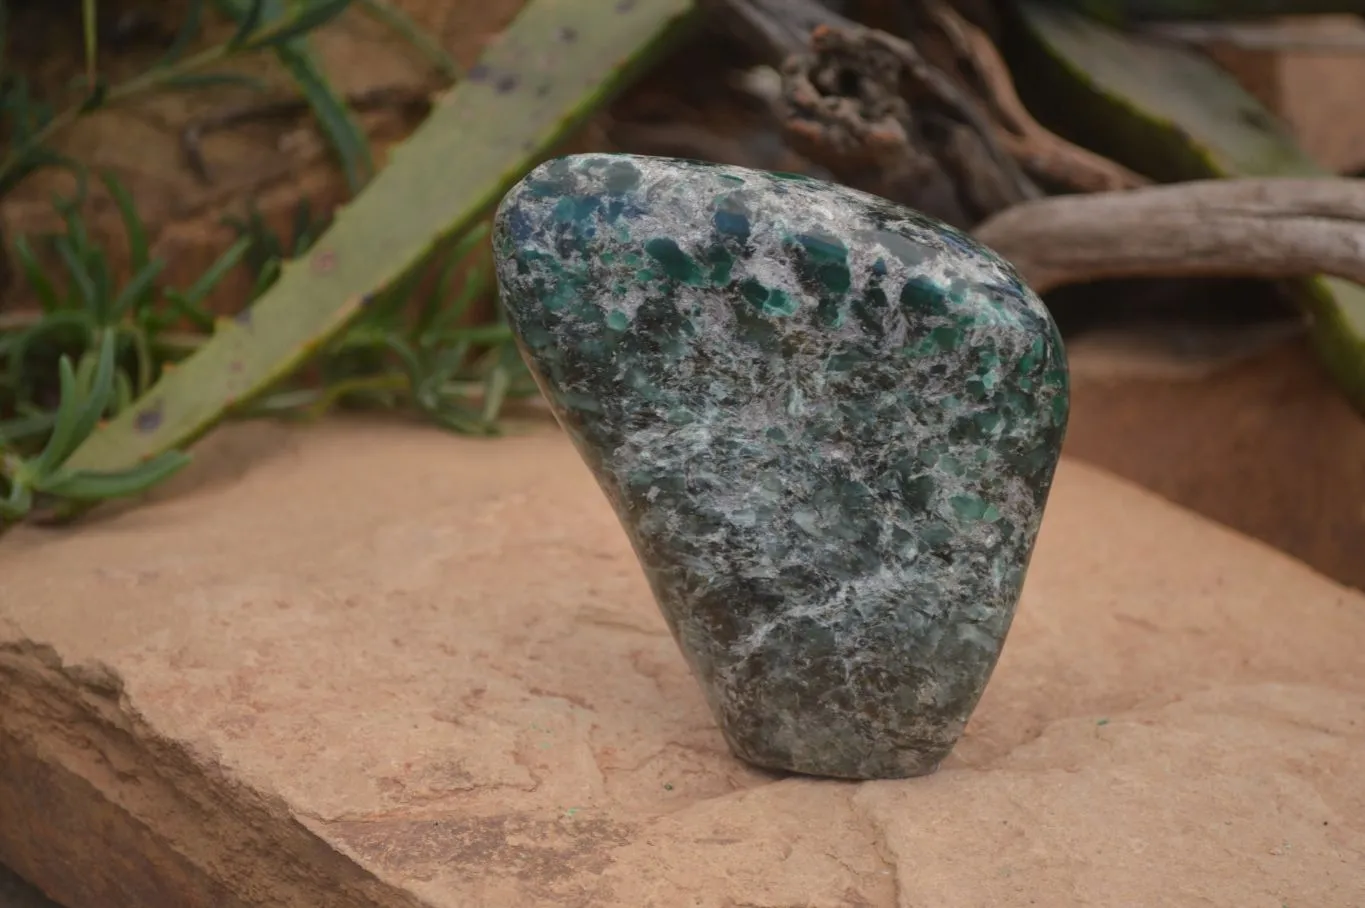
(17, 505)
(4, 37)
(482, 334)
(138, 291)
(142, 352)
(89, 485)
(50, 324)
(313, 15)
(98, 264)
(23, 428)
(460, 419)
(302, 235)
(401, 24)
(286, 36)
(90, 28)
(204, 284)
(96, 96)
(123, 391)
(196, 81)
(63, 428)
(184, 37)
(79, 274)
(248, 15)
(36, 276)
(412, 364)
(390, 305)
(495, 392)
(94, 400)
(332, 115)
(269, 273)
(476, 283)
(178, 304)
(440, 292)
(133, 228)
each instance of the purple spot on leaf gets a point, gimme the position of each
(480, 73)
(507, 83)
(568, 35)
(243, 318)
(625, 6)
(324, 262)
(235, 366)
(148, 419)
(543, 89)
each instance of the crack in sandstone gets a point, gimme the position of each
(91, 778)
(876, 837)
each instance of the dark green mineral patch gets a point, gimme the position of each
(827, 423)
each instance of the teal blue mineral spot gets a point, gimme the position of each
(828, 424)
(675, 263)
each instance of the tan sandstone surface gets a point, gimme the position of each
(366, 664)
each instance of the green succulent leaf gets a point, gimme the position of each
(189, 30)
(139, 291)
(312, 16)
(87, 485)
(90, 28)
(138, 246)
(194, 81)
(204, 284)
(248, 14)
(17, 504)
(63, 429)
(96, 398)
(35, 275)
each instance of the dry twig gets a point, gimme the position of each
(946, 134)
(1044, 154)
(1268, 228)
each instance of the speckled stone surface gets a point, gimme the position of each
(828, 424)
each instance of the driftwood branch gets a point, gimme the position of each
(930, 120)
(1271, 228)
(1043, 154)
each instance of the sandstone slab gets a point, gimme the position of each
(371, 665)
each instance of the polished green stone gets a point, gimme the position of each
(827, 423)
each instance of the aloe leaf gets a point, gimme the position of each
(1172, 114)
(556, 64)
